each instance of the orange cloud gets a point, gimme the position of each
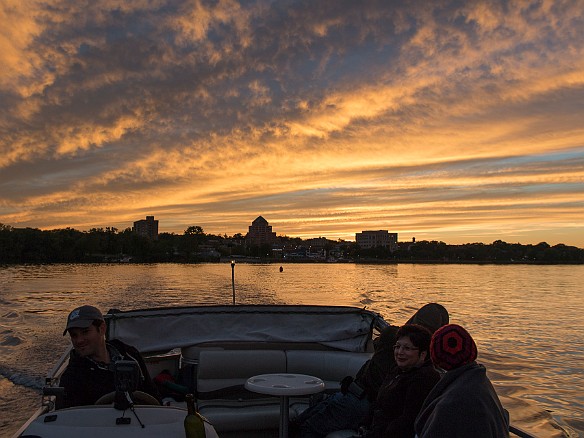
(428, 121)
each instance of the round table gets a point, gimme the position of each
(284, 385)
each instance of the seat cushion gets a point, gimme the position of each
(223, 369)
(343, 434)
(330, 366)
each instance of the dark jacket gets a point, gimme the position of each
(85, 382)
(399, 400)
(373, 372)
(463, 404)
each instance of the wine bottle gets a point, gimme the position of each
(194, 423)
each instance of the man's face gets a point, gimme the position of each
(88, 341)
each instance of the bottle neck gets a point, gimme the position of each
(190, 404)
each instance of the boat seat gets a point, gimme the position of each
(221, 396)
(330, 366)
(242, 415)
(221, 375)
(346, 433)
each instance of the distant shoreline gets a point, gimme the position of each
(406, 262)
(301, 262)
(110, 246)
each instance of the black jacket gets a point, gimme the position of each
(399, 400)
(373, 372)
(85, 382)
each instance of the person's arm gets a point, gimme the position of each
(362, 370)
(75, 391)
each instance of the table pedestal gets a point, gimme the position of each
(284, 416)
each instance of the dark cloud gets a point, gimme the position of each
(333, 108)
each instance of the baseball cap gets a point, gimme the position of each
(82, 317)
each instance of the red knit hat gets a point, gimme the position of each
(451, 347)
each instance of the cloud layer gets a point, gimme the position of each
(449, 121)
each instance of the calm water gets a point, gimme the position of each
(527, 320)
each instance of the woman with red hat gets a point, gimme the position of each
(464, 402)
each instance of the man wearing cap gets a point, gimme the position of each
(89, 374)
(463, 403)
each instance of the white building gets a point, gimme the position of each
(373, 239)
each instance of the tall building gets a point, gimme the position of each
(373, 239)
(260, 233)
(147, 228)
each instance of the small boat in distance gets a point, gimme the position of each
(213, 351)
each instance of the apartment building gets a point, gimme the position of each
(147, 228)
(373, 239)
(260, 233)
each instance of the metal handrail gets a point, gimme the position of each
(520, 432)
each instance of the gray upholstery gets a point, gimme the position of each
(343, 434)
(330, 366)
(221, 375)
(220, 369)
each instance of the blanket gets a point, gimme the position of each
(463, 404)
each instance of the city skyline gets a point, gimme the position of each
(441, 121)
(387, 237)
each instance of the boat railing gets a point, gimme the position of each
(520, 432)
(40, 411)
(60, 365)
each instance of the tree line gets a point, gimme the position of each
(497, 252)
(32, 245)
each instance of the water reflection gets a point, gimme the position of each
(526, 319)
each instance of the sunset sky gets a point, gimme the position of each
(444, 120)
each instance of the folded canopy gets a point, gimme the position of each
(158, 330)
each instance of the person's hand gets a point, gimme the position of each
(345, 384)
(364, 433)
